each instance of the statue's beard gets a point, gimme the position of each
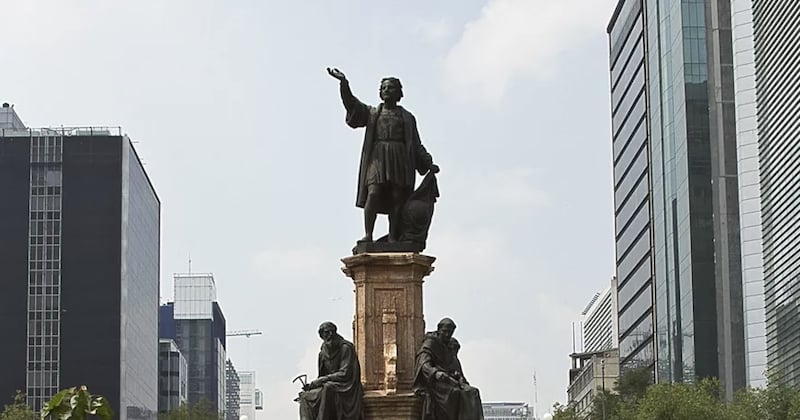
(390, 98)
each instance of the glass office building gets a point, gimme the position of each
(79, 236)
(682, 73)
(173, 372)
(196, 323)
(632, 199)
(776, 26)
(749, 193)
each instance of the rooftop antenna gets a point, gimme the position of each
(535, 397)
(190, 263)
(573, 336)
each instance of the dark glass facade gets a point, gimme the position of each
(172, 376)
(695, 193)
(632, 201)
(684, 246)
(776, 26)
(72, 268)
(202, 342)
(14, 200)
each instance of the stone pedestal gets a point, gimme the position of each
(388, 328)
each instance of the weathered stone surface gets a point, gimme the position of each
(389, 324)
(392, 407)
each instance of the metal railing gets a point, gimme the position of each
(61, 131)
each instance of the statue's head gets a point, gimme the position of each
(391, 89)
(327, 331)
(445, 328)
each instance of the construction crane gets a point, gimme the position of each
(246, 333)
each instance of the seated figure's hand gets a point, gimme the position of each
(435, 168)
(316, 383)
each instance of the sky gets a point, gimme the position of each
(242, 134)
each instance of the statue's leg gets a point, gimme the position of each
(371, 210)
(399, 198)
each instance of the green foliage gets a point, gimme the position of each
(681, 402)
(633, 384)
(77, 403)
(18, 410)
(605, 404)
(565, 412)
(637, 400)
(203, 410)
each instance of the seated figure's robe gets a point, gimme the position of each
(444, 400)
(340, 398)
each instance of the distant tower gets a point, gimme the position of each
(196, 322)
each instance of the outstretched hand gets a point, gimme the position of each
(337, 74)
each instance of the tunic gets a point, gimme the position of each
(391, 163)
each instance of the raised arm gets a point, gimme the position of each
(357, 112)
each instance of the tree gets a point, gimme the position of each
(633, 384)
(77, 403)
(565, 412)
(18, 410)
(681, 402)
(203, 410)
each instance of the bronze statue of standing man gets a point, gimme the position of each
(391, 153)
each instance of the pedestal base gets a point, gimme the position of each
(392, 407)
(389, 325)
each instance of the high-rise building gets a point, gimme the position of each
(172, 375)
(232, 392)
(79, 266)
(775, 26)
(600, 320)
(681, 87)
(632, 199)
(248, 403)
(196, 323)
(749, 193)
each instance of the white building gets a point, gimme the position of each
(250, 398)
(599, 325)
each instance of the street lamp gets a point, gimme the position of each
(603, 379)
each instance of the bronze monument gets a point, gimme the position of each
(391, 153)
(336, 394)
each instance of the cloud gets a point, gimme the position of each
(519, 38)
(433, 30)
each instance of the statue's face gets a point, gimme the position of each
(446, 332)
(390, 91)
(326, 334)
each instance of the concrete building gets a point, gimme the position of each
(749, 193)
(79, 236)
(591, 373)
(172, 376)
(777, 69)
(196, 323)
(682, 57)
(507, 411)
(232, 392)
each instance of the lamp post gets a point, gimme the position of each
(603, 379)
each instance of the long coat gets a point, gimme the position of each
(362, 115)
